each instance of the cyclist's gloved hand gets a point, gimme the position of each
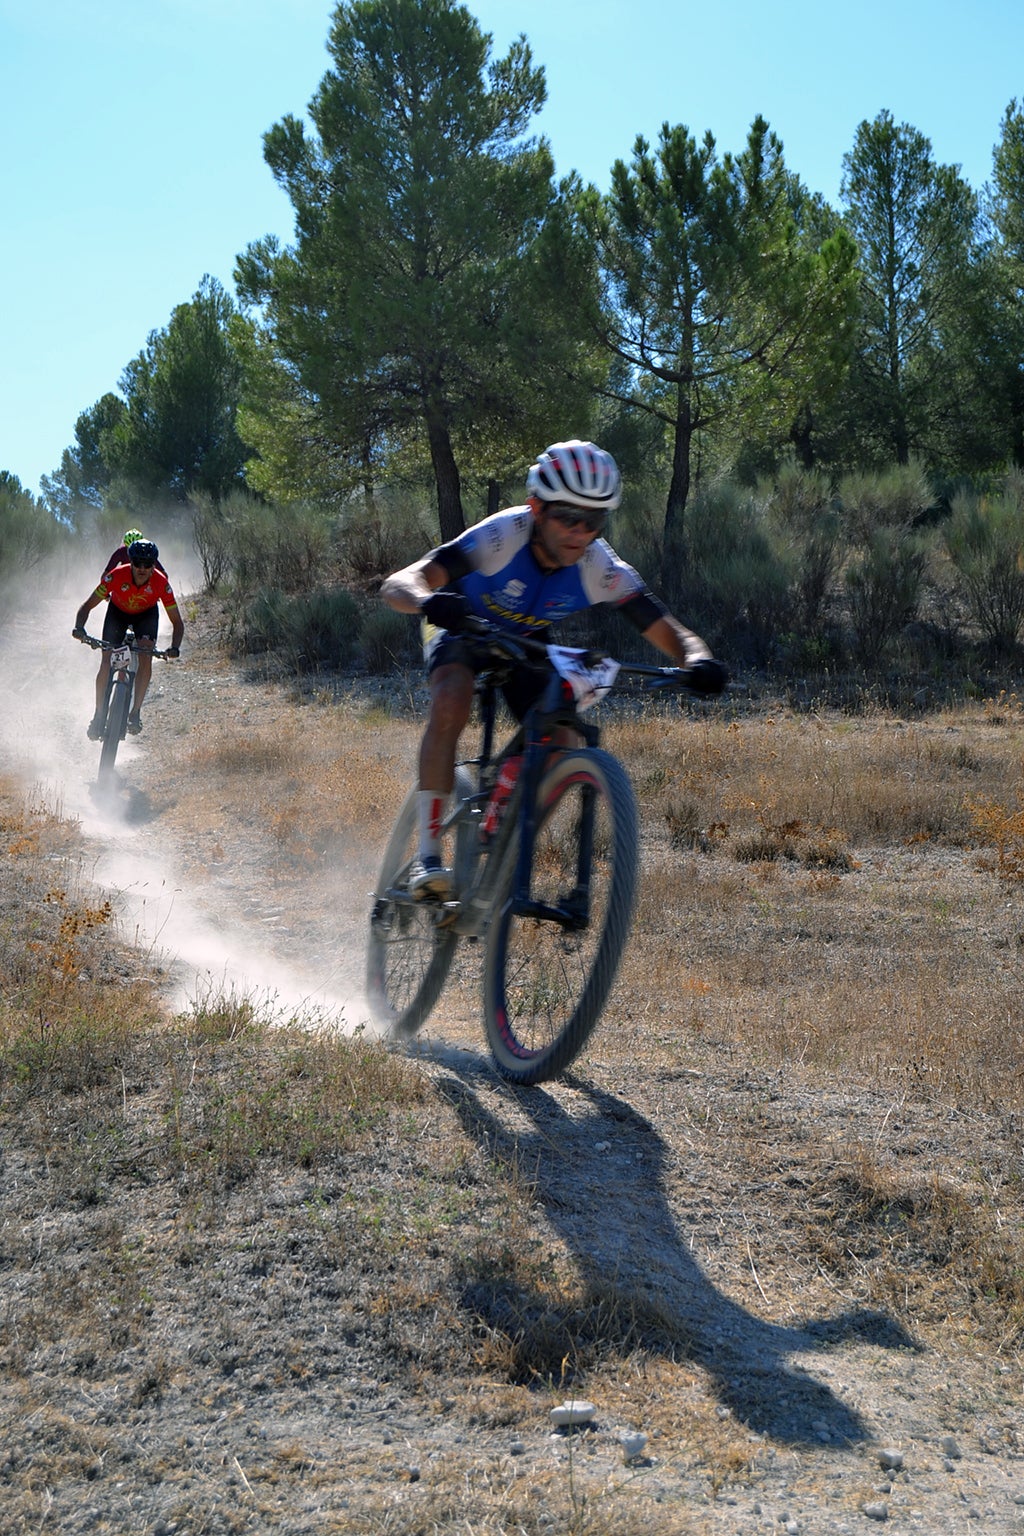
(448, 610)
(172, 650)
(706, 675)
(78, 633)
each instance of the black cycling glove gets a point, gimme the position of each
(448, 610)
(706, 675)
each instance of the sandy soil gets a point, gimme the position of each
(288, 1371)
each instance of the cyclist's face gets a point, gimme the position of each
(565, 533)
(141, 574)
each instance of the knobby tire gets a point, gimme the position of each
(409, 953)
(546, 984)
(117, 718)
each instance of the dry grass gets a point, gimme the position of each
(819, 1014)
(833, 896)
(833, 905)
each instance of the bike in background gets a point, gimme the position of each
(117, 701)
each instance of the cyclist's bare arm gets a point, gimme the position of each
(177, 626)
(677, 642)
(92, 601)
(408, 589)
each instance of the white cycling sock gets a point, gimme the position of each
(430, 806)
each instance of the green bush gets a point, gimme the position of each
(377, 535)
(27, 531)
(985, 542)
(738, 581)
(802, 513)
(883, 583)
(256, 544)
(884, 574)
(898, 497)
(311, 631)
(211, 536)
(388, 640)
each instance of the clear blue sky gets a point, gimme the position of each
(131, 160)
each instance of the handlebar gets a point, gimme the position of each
(504, 644)
(129, 640)
(507, 646)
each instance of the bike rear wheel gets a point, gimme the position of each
(410, 948)
(546, 981)
(117, 717)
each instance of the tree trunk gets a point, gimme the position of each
(492, 497)
(366, 460)
(446, 474)
(672, 553)
(901, 439)
(800, 436)
(1017, 420)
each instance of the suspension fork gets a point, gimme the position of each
(574, 909)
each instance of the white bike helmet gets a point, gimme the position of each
(578, 473)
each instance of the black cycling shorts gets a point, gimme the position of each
(117, 623)
(523, 688)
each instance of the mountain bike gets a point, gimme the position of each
(542, 839)
(117, 700)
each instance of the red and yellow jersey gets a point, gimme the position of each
(119, 587)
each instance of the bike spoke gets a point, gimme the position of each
(547, 979)
(547, 965)
(410, 948)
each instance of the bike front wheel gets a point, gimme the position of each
(117, 719)
(547, 976)
(410, 948)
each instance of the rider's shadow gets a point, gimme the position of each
(629, 1239)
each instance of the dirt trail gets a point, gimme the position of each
(651, 1177)
(196, 892)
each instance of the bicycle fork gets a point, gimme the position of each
(120, 679)
(572, 911)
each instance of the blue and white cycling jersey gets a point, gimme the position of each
(493, 565)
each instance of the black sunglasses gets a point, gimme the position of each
(571, 517)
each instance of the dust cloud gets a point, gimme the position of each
(224, 954)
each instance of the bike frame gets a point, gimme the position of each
(479, 871)
(485, 866)
(124, 664)
(553, 935)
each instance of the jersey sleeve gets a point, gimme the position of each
(643, 610)
(607, 578)
(488, 546)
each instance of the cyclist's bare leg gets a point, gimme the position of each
(451, 700)
(101, 682)
(142, 676)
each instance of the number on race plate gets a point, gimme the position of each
(120, 657)
(588, 683)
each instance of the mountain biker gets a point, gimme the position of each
(120, 555)
(134, 590)
(524, 568)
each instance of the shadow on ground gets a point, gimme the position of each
(601, 1179)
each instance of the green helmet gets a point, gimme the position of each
(131, 536)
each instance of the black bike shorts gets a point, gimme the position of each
(523, 688)
(117, 623)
